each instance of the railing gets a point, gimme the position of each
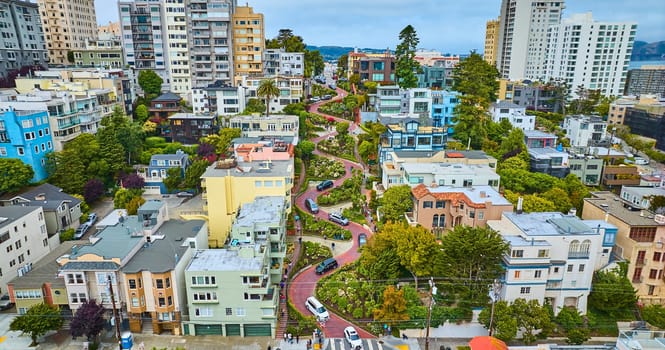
(640, 262)
(578, 255)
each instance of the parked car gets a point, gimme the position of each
(5, 302)
(81, 230)
(315, 99)
(338, 218)
(362, 239)
(92, 217)
(311, 206)
(324, 185)
(326, 265)
(327, 97)
(352, 337)
(641, 161)
(184, 194)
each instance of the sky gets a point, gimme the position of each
(449, 26)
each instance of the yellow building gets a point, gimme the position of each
(491, 41)
(248, 41)
(228, 184)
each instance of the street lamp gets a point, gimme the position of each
(432, 292)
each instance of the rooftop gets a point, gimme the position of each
(168, 96)
(263, 210)
(546, 152)
(45, 270)
(475, 196)
(177, 156)
(448, 169)
(115, 241)
(639, 339)
(588, 118)
(519, 241)
(13, 213)
(191, 116)
(614, 206)
(549, 224)
(644, 191)
(263, 117)
(538, 134)
(46, 196)
(224, 260)
(605, 152)
(162, 255)
(277, 168)
(506, 104)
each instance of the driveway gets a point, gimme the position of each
(302, 285)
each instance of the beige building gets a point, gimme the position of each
(640, 241)
(112, 28)
(440, 208)
(248, 41)
(491, 41)
(67, 26)
(618, 108)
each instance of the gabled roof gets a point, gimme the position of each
(47, 196)
(167, 96)
(457, 195)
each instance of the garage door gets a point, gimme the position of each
(232, 329)
(254, 330)
(208, 329)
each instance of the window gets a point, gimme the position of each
(240, 311)
(517, 274)
(161, 302)
(203, 280)
(581, 268)
(656, 256)
(229, 311)
(427, 204)
(135, 302)
(543, 253)
(570, 268)
(556, 270)
(537, 274)
(205, 296)
(653, 274)
(168, 282)
(525, 290)
(517, 253)
(440, 204)
(159, 283)
(203, 312)
(132, 284)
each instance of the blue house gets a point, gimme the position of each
(411, 136)
(155, 173)
(443, 105)
(26, 135)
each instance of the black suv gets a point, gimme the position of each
(324, 185)
(326, 265)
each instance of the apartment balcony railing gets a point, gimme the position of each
(640, 262)
(578, 255)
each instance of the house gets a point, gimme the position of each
(25, 135)
(23, 241)
(515, 114)
(448, 174)
(588, 169)
(539, 139)
(552, 257)
(640, 240)
(235, 291)
(188, 128)
(443, 106)
(411, 136)
(640, 197)
(219, 99)
(291, 90)
(61, 211)
(584, 130)
(441, 208)
(549, 161)
(163, 106)
(155, 173)
(280, 62)
(274, 125)
(263, 169)
(379, 68)
(154, 278)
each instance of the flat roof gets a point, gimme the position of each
(162, 255)
(644, 191)
(506, 104)
(519, 241)
(45, 270)
(448, 168)
(191, 116)
(538, 134)
(115, 241)
(10, 214)
(224, 260)
(415, 154)
(546, 152)
(263, 210)
(604, 152)
(278, 168)
(613, 205)
(549, 224)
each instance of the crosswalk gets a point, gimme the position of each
(368, 344)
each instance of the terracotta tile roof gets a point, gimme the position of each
(454, 155)
(455, 198)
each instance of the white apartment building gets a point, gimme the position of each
(584, 131)
(590, 53)
(552, 257)
(219, 100)
(442, 174)
(280, 62)
(417, 101)
(290, 90)
(22, 42)
(275, 125)
(67, 26)
(174, 20)
(209, 40)
(388, 100)
(144, 36)
(522, 46)
(23, 241)
(640, 197)
(514, 113)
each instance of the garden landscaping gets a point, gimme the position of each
(342, 149)
(322, 168)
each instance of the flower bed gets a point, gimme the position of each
(316, 227)
(333, 146)
(322, 168)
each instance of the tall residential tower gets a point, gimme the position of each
(68, 24)
(22, 42)
(248, 41)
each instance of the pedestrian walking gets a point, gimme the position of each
(290, 337)
(333, 246)
(297, 338)
(314, 335)
(285, 337)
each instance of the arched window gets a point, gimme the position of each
(442, 220)
(435, 220)
(585, 246)
(574, 246)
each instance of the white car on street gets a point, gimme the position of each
(353, 338)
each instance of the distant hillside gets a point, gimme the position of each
(332, 53)
(643, 51)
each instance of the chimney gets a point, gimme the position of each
(483, 194)
(520, 201)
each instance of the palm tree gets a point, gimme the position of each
(267, 89)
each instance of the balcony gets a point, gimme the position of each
(640, 262)
(278, 252)
(411, 218)
(578, 255)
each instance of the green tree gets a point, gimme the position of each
(342, 65)
(416, 248)
(474, 76)
(70, 57)
(513, 146)
(14, 174)
(254, 105)
(504, 325)
(530, 316)
(516, 163)
(395, 202)
(578, 336)
(612, 292)
(393, 306)
(150, 82)
(194, 172)
(354, 79)
(173, 179)
(577, 191)
(306, 149)
(222, 141)
(655, 315)
(569, 318)
(379, 260)
(603, 106)
(134, 204)
(365, 149)
(123, 196)
(406, 66)
(38, 320)
(558, 197)
(313, 63)
(286, 40)
(141, 113)
(267, 89)
(470, 256)
(656, 203)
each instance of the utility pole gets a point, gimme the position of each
(432, 291)
(494, 296)
(115, 313)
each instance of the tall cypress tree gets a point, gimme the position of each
(406, 66)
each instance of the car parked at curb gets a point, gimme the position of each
(92, 217)
(362, 239)
(5, 302)
(338, 218)
(81, 230)
(184, 194)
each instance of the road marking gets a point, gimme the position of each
(369, 345)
